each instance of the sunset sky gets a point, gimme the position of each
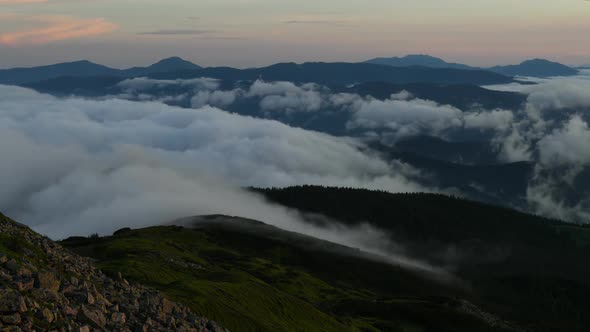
(246, 33)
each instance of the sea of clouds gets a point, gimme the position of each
(74, 166)
(550, 130)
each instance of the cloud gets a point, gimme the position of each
(74, 166)
(216, 98)
(178, 32)
(57, 28)
(552, 132)
(143, 84)
(500, 120)
(333, 23)
(18, 2)
(402, 118)
(569, 145)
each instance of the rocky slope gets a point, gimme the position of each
(44, 287)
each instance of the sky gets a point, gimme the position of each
(246, 33)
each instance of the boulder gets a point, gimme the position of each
(11, 302)
(47, 280)
(118, 318)
(13, 319)
(92, 317)
(46, 315)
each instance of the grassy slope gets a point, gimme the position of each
(256, 283)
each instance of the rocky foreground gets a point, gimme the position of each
(44, 287)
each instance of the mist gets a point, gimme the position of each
(78, 167)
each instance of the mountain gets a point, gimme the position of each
(344, 74)
(509, 271)
(166, 65)
(77, 68)
(317, 72)
(536, 68)
(532, 68)
(84, 68)
(523, 268)
(418, 60)
(254, 277)
(503, 271)
(44, 287)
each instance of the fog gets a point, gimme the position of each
(77, 167)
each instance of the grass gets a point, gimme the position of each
(256, 283)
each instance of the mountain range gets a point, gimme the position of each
(86, 68)
(531, 68)
(399, 70)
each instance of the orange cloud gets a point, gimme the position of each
(57, 28)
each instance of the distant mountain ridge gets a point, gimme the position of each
(532, 68)
(341, 73)
(85, 68)
(401, 70)
(419, 60)
(536, 68)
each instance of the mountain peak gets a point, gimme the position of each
(175, 63)
(536, 68)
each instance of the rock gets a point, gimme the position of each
(25, 285)
(168, 306)
(11, 301)
(90, 298)
(13, 319)
(43, 295)
(93, 317)
(77, 296)
(47, 280)
(69, 311)
(24, 273)
(46, 315)
(118, 318)
(5, 276)
(11, 329)
(12, 266)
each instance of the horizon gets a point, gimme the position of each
(270, 64)
(254, 33)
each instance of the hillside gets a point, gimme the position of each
(45, 287)
(523, 267)
(254, 277)
(506, 271)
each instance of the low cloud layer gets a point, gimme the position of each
(74, 166)
(550, 131)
